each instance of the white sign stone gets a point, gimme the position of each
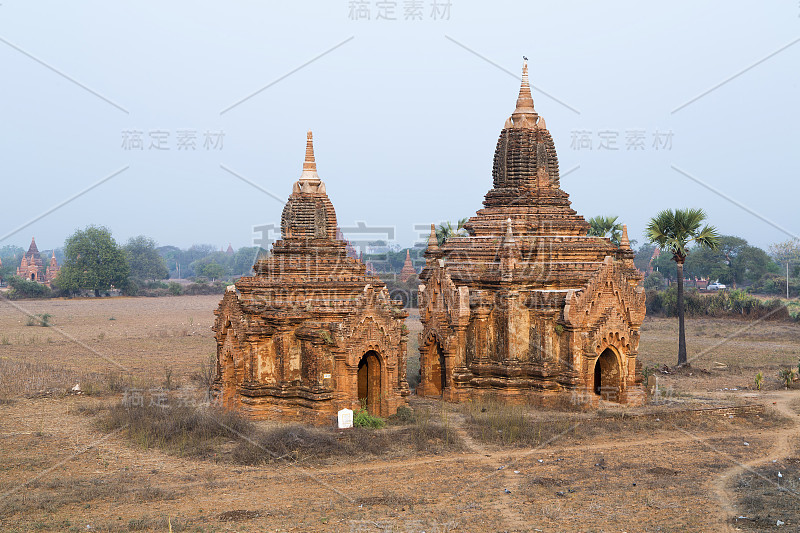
(345, 418)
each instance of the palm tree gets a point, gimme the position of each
(673, 231)
(602, 226)
(447, 230)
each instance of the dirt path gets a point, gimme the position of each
(781, 449)
(512, 519)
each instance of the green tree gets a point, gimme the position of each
(212, 270)
(602, 226)
(750, 264)
(787, 254)
(733, 262)
(10, 256)
(94, 261)
(673, 232)
(654, 280)
(244, 259)
(447, 230)
(144, 260)
(643, 255)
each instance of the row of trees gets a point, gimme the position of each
(204, 260)
(733, 262)
(91, 259)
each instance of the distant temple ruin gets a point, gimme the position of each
(408, 271)
(32, 266)
(311, 332)
(527, 306)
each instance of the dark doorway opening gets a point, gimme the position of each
(607, 376)
(369, 382)
(598, 379)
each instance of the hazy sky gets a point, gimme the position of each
(405, 112)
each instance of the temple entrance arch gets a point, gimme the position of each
(369, 382)
(607, 376)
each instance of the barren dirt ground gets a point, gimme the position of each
(645, 472)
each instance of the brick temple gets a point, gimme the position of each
(408, 270)
(310, 332)
(527, 306)
(32, 266)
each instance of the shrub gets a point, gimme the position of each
(175, 289)
(363, 419)
(775, 284)
(786, 375)
(732, 303)
(194, 289)
(183, 430)
(654, 281)
(23, 288)
(293, 443)
(403, 416)
(205, 375)
(759, 380)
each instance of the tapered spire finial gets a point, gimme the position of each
(310, 164)
(433, 241)
(624, 243)
(524, 100)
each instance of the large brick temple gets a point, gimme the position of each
(527, 306)
(310, 332)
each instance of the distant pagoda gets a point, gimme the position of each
(408, 271)
(32, 266)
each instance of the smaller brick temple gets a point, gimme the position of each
(408, 271)
(311, 332)
(527, 306)
(32, 266)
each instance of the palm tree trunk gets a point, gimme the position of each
(681, 319)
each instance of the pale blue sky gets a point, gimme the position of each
(405, 119)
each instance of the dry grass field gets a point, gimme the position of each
(82, 463)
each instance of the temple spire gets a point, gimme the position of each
(524, 100)
(310, 164)
(624, 243)
(433, 242)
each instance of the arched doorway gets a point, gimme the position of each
(607, 376)
(369, 382)
(437, 370)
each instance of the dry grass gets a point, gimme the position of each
(510, 425)
(525, 426)
(736, 343)
(225, 436)
(54, 492)
(181, 430)
(408, 476)
(138, 334)
(22, 379)
(764, 498)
